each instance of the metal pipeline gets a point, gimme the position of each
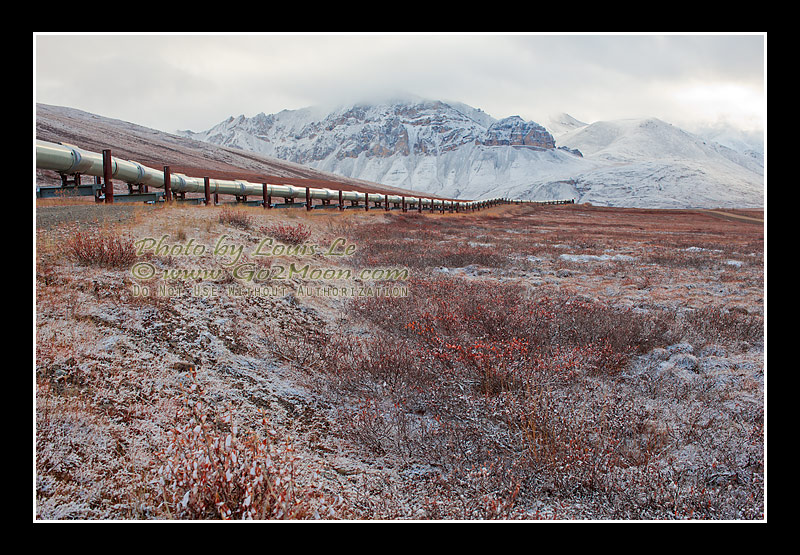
(68, 160)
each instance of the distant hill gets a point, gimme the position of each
(663, 165)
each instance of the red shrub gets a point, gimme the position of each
(287, 234)
(210, 471)
(97, 249)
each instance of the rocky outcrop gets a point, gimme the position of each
(514, 131)
(573, 151)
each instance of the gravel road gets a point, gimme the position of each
(86, 215)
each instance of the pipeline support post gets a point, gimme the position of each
(341, 201)
(265, 196)
(167, 184)
(108, 185)
(207, 190)
(98, 189)
(308, 199)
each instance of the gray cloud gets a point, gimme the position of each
(194, 81)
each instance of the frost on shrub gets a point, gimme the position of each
(468, 375)
(288, 234)
(235, 218)
(97, 249)
(211, 471)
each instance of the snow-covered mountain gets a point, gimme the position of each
(558, 124)
(455, 150)
(654, 160)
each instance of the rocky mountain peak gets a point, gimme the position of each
(515, 131)
(416, 127)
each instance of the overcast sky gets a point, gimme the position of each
(171, 82)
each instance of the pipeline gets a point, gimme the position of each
(70, 160)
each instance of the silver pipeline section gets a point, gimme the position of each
(70, 160)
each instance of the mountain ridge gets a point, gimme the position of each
(455, 150)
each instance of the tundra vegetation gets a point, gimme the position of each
(543, 362)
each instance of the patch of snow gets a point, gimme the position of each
(596, 258)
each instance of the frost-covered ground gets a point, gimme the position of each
(561, 362)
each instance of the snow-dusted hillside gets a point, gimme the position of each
(661, 164)
(558, 124)
(455, 150)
